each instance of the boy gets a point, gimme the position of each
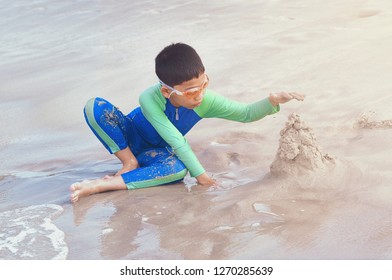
(150, 140)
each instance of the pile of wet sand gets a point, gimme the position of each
(366, 120)
(298, 151)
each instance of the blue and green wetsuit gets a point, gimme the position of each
(155, 132)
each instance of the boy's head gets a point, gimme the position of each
(178, 63)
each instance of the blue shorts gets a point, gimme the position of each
(116, 131)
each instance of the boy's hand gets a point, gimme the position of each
(205, 180)
(282, 97)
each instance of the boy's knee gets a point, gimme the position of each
(179, 174)
(95, 106)
(183, 173)
(96, 101)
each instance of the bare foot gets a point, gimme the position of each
(88, 187)
(82, 189)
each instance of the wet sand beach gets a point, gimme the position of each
(329, 193)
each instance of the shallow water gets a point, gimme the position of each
(55, 55)
(28, 233)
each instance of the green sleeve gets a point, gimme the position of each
(217, 106)
(153, 105)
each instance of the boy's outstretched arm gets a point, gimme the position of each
(282, 97)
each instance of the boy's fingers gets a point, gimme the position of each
(297, 96)
(286, 96)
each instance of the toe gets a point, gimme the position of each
(74, 187)
(74, 197)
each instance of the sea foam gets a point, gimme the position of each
(29, 233)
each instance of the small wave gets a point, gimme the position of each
(28, 233)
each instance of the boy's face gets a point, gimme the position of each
(189, 101)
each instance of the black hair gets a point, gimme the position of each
(178, 63)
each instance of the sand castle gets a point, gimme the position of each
(298, 151)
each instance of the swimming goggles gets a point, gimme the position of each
(188, 93)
